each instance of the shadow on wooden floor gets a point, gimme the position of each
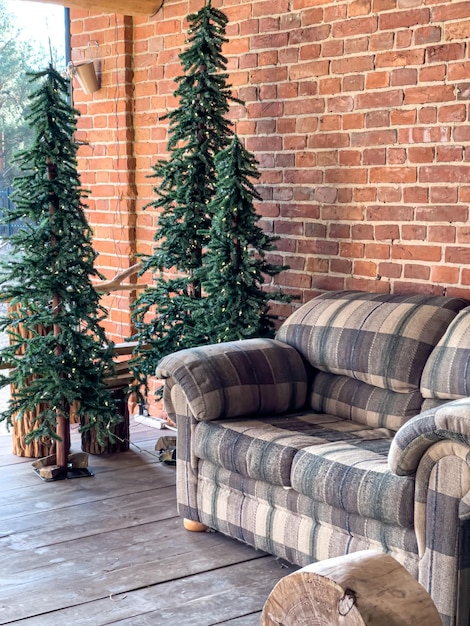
(111, 549)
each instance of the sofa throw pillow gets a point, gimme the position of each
(447, 372)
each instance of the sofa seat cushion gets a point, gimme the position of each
(264, 449)
(381, 339)
(354, 475)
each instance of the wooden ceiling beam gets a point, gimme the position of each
(122, 7)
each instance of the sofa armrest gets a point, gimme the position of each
(450, 421)
(238, 378)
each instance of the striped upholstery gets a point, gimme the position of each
(265, 449)
(442, 526)
(431, 403)
(354, 400)
(452, 354)
(313, 445)
(255, 376)
(354, 476)
(450, 421)
(382, 339)
(435, 447)
(290, 525)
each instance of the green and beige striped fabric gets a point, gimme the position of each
(232, 379)
(354, 476)
(450, 421)
(435, 448)
(451, 355)
(312, 445)
(381, 339)
(265, 449)
(354, 400)
(292, 526)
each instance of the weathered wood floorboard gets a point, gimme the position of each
(65, 494)
(111, 549)
(205, 599)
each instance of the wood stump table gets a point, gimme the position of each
(360, 589)
(118, 385)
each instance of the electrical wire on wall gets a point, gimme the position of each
(118, 212)
(112, 288)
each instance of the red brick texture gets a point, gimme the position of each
(357, 111)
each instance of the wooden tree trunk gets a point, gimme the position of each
(39, 447)
(360, 589)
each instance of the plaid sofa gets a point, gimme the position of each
(348, 431)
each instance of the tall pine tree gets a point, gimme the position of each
(207, 235)
(59, 351)
(164, 313)
(235, 266)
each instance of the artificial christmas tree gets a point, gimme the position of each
(163, 313)
(207, 234)
(59, 353)
(235, 266)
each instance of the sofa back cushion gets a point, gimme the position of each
(383, 340)
(446, 375)
(357, 401)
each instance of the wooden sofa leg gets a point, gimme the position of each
(193, 526)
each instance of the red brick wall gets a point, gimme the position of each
(357, 112)
(106, 158)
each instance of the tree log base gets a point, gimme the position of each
(360, 589)
(194, 527)
(54, 472)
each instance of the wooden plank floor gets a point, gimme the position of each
(111, 549)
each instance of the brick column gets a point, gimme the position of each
(106, 161)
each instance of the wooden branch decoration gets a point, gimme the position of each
(117, 284)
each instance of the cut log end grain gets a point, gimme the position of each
(311, 600)
(361, 589)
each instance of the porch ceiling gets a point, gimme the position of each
(124, 7)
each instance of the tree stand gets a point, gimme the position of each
(360, 589)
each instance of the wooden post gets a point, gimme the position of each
(63, 411)
(40, 448)
(62, 416)
(124, 7)
(360, 589)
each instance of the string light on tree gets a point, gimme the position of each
(207, 226)
(58, 350)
